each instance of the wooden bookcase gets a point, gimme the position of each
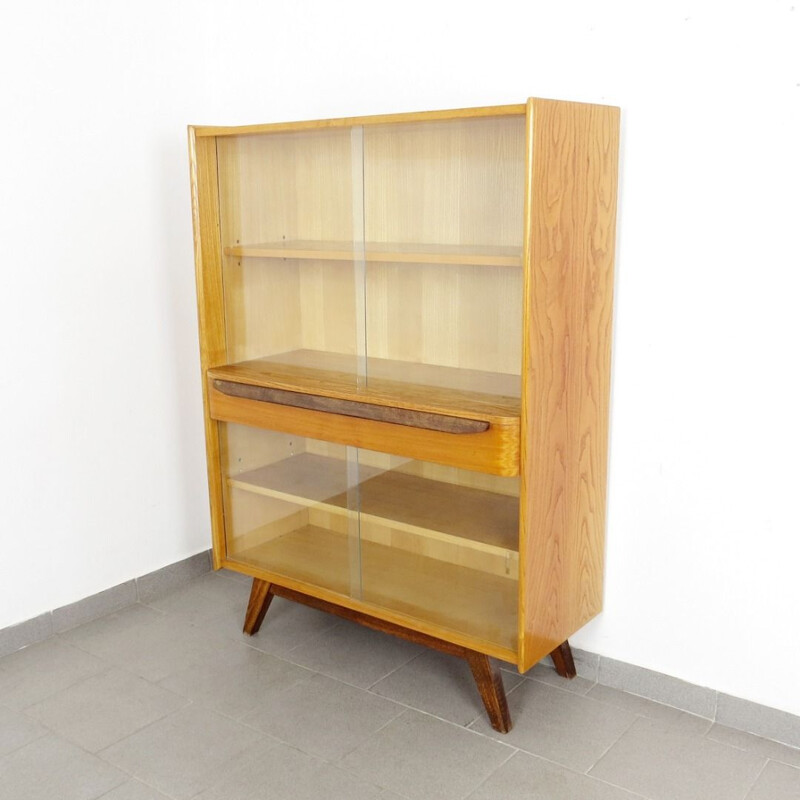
(405, 327)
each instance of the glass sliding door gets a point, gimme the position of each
(292, 241)
(376, 270)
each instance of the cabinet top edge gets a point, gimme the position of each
(342, 122)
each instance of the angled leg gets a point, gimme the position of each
(490, 685)
(260, 598)
(487, 676)
(562, 661)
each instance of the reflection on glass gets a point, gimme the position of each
(387, 251)
(435, 543)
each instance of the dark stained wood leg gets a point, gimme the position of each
(487, 676)
(260, 598)
(562, 661)
(493, 694)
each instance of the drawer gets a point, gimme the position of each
(482, 442)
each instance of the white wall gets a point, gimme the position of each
(102, 470)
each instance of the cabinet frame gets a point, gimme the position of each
(560, 445)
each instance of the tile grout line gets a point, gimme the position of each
(650, 699)
(45, 732)
(636, 718)
(527, 677)
(755, 780)
(625, 686)
(175, 579)
(493, 772)
(563, 766)
(563, 688)
(338, 623)
(513, 750)
(407, 707)
(189, 704)
(374, 733)
(392, 671)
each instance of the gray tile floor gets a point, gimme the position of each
(170, 700)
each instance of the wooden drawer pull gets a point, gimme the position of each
(352, 408)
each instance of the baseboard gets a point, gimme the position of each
(142, 590)
(723, 709)
(734, 712)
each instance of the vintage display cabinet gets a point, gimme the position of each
(405, 327)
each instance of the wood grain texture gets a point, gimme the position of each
(268, 519)
(442, 198)
(295, 184)
(402, 384)
(460, 551)
(210, 312)
(495, 451)
(322, 594)
(461, 524)
(487, 675)
(257, 606)
(346, 122)
(569, 255)
(396, 252)
(490, 686)
(563, 661)
(458, 183)
(284, 187)
(370, 621)
(463, 605)
(352, 408)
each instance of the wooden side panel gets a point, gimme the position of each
(210, 311)
(569, 256)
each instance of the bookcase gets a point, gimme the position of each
(405, 329)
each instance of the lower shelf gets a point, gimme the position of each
(460, 524)
(445, 596)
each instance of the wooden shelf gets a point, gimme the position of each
(457, 393)
(421, 387)
(442, 595)
(393, 252)
(449, 516)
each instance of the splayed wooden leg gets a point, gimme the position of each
(486, 674)
(490, 686)
(260, 598)
(562, 660)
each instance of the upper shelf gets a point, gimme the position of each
(393, 252)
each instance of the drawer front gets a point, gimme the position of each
(494, 450)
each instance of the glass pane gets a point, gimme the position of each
(291, 219)
(291, 507)
(402, 243)
(440, 544)
(443, 226)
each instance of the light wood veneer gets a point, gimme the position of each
(361, 278)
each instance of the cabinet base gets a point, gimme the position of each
(487, 676)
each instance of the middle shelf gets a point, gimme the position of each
(459, 417)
